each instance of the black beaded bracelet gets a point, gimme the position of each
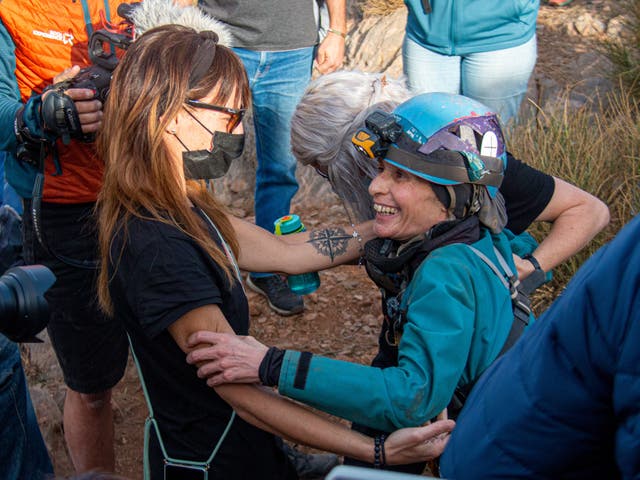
(379, 456)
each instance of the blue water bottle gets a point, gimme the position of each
(304, 283)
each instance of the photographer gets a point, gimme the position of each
(37, 41)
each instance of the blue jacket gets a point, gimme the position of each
(458, 317)
(564, 402)
(461, 27)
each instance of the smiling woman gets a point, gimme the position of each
(170, 255)
(405, 205)
(443, 264)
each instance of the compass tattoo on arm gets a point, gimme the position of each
(330, 242)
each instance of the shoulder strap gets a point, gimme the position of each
(521, 310)
(519, 300)
(227, 249)
(151, 422)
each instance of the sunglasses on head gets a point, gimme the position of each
(235, 114)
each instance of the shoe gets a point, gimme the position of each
(310, 466)
(278, 294)
(559, 3)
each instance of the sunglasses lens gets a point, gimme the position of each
(235, 119)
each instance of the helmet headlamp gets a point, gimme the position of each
(381, 130)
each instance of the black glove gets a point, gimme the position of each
(60, 116)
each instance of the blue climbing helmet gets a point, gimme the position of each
(448, 140)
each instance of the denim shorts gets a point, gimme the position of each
(91, 347)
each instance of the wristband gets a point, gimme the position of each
(269, 370)
(533, 260)
(337, 32)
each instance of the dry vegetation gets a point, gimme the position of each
(597, 149)
(598, 152)
(381, 7)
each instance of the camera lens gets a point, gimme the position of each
(8, 303)
(23, 309)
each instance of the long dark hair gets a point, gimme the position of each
(163, 67)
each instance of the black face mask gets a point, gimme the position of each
(205, 164)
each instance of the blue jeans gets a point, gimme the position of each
(8, 195)
(277, 80)
(499, 79)
(23, 454)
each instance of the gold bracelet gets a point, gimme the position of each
(337, 32)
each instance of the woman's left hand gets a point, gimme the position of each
(410, 445)
(228, 358)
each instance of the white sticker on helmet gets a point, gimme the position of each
(467, 135)
(489, 146)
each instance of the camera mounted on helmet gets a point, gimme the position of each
(381, 130)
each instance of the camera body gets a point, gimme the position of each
(97, 77)
(59, 114)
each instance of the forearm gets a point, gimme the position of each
(318, 249)
(566, 238)
(337, 15)
(266, 410)
(384, 399)
(576, 218)
(293, 422)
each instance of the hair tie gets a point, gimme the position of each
(203, 57)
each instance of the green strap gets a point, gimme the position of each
(227, 250)
(151, 422)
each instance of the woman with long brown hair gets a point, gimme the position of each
(168, 253)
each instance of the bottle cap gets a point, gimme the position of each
(287, 224)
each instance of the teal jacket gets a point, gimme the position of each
(21, 175)
(461, 27)
(458, 318)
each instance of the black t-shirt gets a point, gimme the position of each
(526, 193)
(160, 275)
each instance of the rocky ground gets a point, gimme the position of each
(342, 317)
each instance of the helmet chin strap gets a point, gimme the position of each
(464, 200)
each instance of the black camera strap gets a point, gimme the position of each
(36, 204)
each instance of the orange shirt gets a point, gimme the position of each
(50, 36)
